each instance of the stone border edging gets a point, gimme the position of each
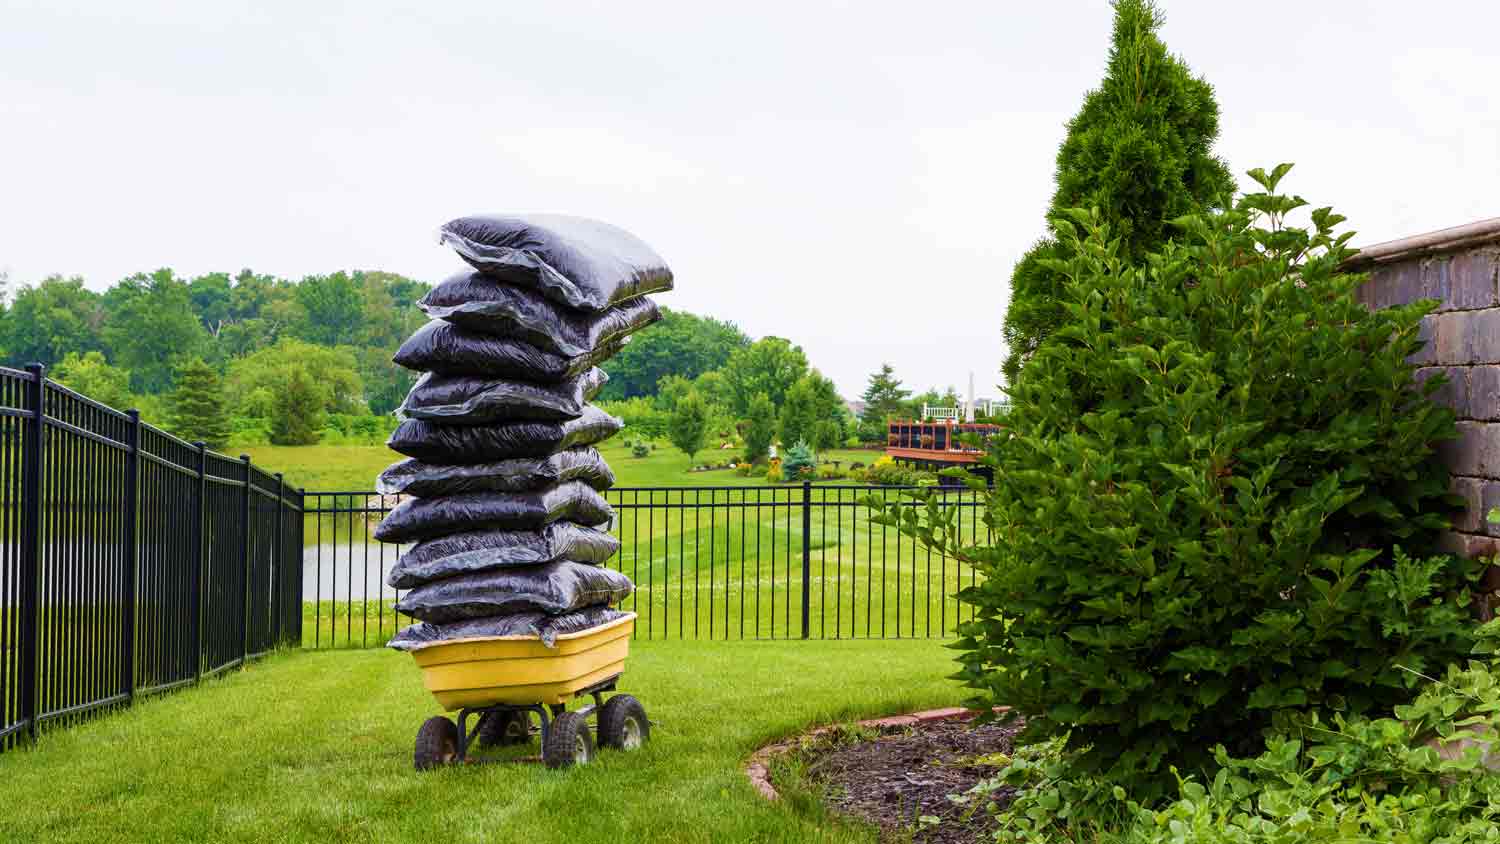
(759, 767)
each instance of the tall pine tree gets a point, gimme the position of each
(884, 397)
(1140, 150)
(198, 407)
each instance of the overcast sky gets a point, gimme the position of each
(857, 177)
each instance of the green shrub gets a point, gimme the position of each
(800, 463)
(1212, 465)
(1420, 776)
(829, 473)
(640, 450)
(888, 472)
(640, 415)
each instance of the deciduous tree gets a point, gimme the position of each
(688, 428)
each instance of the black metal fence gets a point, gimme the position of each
(131, 562)
(726, 562)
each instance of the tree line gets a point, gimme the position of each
(252, 359)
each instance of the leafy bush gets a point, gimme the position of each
(1428, 774)
(640, 450)
(800, 463)
(830, 473)
(1212, 465)
(744, 468)
(640, 415)
(887, 472)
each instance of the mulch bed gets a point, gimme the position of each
(907, 772)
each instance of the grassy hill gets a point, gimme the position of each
(352, 468)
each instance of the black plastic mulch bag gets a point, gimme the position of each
(425, 518)
(543, 626)
(475, 399)
(486, 304)
(481, 550)
(581, 263)
(439, 443)
(425, 480)
(553, 588)
(441, 346)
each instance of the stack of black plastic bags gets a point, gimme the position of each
(505, 507)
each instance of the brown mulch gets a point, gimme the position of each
(907, 772)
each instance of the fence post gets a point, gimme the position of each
(132, 553)
(806, 558)
(31, 552)
(301, 544)
(200, 579)
(245, 561)
(278, 576)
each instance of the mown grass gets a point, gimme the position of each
(347, 468)
(317, 747)
(724, 565)
(717, 563)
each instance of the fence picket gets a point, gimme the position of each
(103, 598)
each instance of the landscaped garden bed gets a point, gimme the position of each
(903, 778)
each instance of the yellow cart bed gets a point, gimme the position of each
(503, 680)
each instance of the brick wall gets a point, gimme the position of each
(1460, 268)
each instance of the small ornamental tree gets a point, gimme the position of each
(688, 428)
(1140, 150)
(199, 411)
(883, 397)
(761, 427)
(1211, 471)
(800, 464)
(297, 416)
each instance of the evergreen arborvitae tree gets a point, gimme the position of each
(1139, 150)
(198, 406)
(883, 397)
(297, 417)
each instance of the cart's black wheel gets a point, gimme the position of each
(504, 727)
(437, 743)
(569, 741)
(623, 724)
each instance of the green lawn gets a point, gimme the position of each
(317, 747)
(347, 468)
(719, 563)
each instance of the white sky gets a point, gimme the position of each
(858, 177)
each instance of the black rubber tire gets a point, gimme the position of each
(623, 724)
(569, 741)
(504, 728)
(437, 744)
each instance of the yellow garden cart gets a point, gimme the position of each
(502, 681)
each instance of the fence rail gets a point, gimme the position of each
(131, 562)
(726, 562)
